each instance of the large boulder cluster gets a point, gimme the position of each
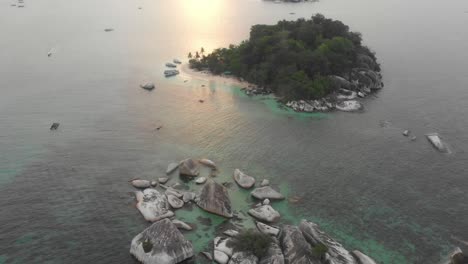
(163, 242)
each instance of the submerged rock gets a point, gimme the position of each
(161, 243)
(175, 202)
(267, 192)
(274, 255)
(172, 167)
(295, 248)
(268, 230)
(181, 225)
(265, 213)
(188, 167)
(153, 205)
(141, 183)
(208, 163)
(362, 258)
(336, 253)
(243, 258)
(214, 198)
(406, 133)
(244, 180)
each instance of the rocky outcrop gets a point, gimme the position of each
(274, 255)
(268, 230)
(265, 213)
(349, 106)
(361, 258)
(141, 183)
(336, 253)
(243, 180)
(243, 258)
(295, 248)
(214, 198)
(161, 243)
(153, 205)
(188, 167)
(267, 192)
(456, 257)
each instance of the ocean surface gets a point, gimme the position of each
(65, 196)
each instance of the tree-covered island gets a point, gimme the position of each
(310, 65)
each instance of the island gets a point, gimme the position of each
(310, 65)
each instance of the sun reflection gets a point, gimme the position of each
(204, 18)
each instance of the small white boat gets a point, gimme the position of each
(169, 73)
(437, 142)
(176, 61)
(171, 65)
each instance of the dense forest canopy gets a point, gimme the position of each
(293, 58)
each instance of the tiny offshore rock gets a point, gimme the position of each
(171, 167)
(188, 167)
(243, 180)
(266, 192)
(265, 213)
(208, 163)
(141, 183)
(200, 180)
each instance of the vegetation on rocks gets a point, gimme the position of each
(294, 59)
(251, 241)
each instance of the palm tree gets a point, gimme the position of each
(202, 50)
(197, 55)
(190, 55)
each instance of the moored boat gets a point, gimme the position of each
(171, 65)
(169, 73)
